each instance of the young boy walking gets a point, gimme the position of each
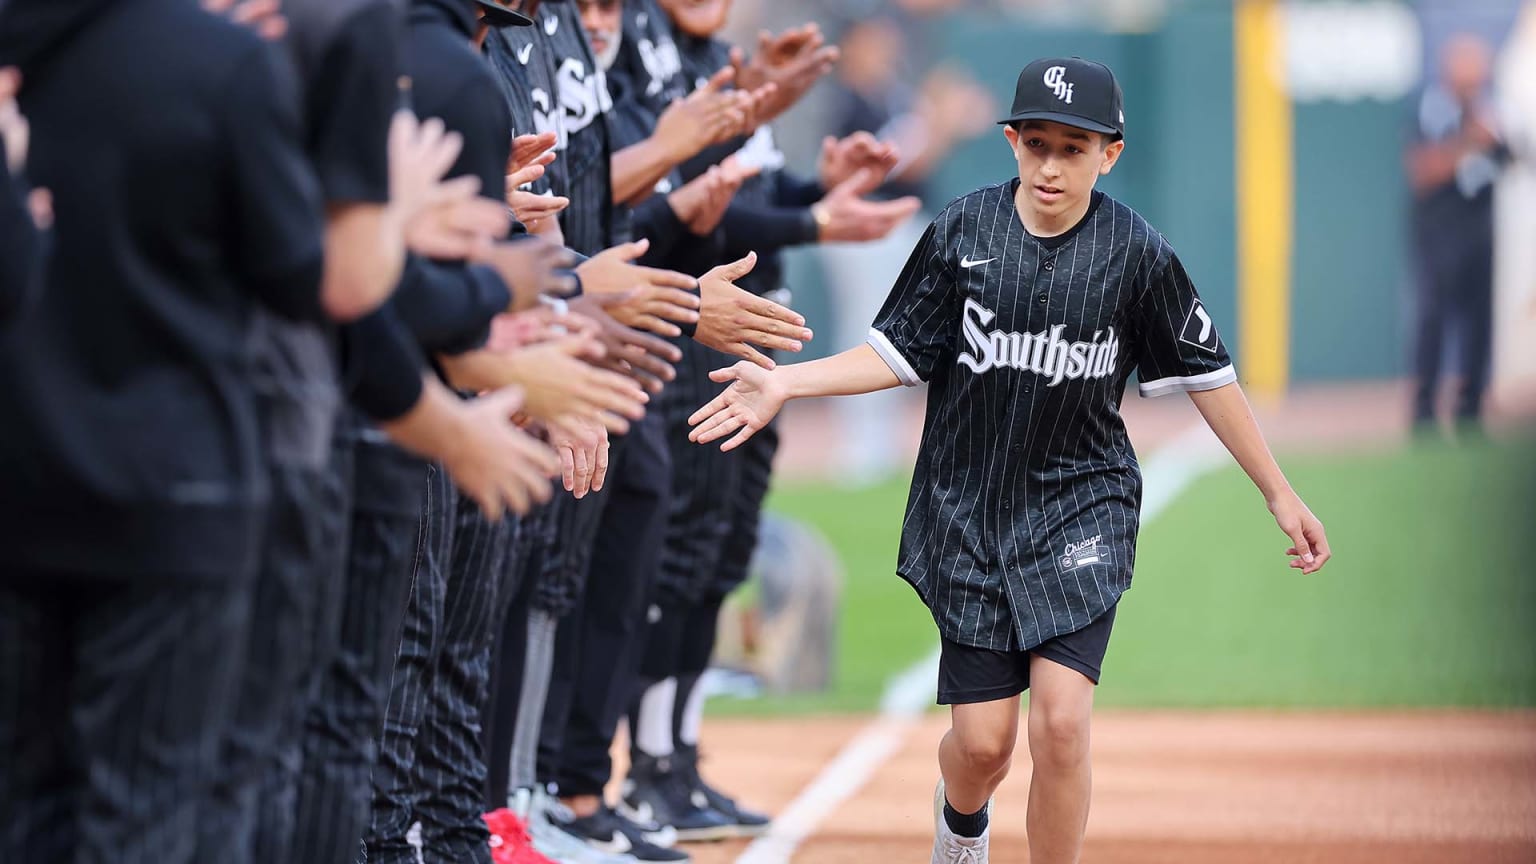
(1026, 306)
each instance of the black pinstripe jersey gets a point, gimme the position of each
(549, 76)
(592, 223)
(525, 72)
(1022, 517)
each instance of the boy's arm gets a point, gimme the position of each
(757, 394)
(1227, 412)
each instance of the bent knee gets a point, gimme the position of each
(986, 752)
(1058, 735)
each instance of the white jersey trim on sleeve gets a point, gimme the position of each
(1204, 381)
(893, 358)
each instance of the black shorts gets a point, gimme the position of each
(969, 675)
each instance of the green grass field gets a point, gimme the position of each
(1431, 600)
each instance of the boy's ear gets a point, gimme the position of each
(1112, 153)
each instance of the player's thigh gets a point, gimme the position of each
(1060, 708)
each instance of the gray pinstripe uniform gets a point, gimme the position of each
(1022, 518)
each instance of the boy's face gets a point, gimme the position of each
(700, 19)
(1058, 164)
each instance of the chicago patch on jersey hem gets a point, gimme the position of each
(1085, 552)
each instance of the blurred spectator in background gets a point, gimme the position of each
(1453, 162)
(886, 86)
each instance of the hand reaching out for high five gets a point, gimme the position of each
(753, 399)
(645, 358)
(701, 203)
(530, 158)
(707, 116)
(845, 216)
(653, 299)
(842, 158)
(738, 322)
(792, 61)
(582, 447)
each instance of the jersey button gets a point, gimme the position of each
(1050, 265)
(1041, 298)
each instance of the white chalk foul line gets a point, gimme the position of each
(1166, 474)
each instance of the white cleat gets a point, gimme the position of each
(949, 848)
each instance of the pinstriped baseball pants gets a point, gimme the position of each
(432, 766)
(342, 726)
(114, 697)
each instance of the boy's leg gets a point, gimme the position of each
(1060, 708)
(976, 752)
(1063, 673)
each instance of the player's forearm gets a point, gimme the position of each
(857, 370)
(483, 370)
(638, 168)
(1227, 412)
(364, 254)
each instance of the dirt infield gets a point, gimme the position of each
(1340, 788)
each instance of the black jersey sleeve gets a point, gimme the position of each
(1177, 346)
(278, 223)
(916, 327)
(353, 100)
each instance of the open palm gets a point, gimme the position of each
(752, 400)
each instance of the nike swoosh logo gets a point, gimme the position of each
(619, 845)
(967, 263)
(524, 53)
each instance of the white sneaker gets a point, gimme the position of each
(949, 848)
(552, 842)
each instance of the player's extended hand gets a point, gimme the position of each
(746, 406)
(701, 203)
(846, 217)
(1309, 543)
(562, 384)
(709, 115)
(16, 135)
(496, 464)
(653, 298)
(732, 321)
(840, 158)
(532, 267)
(792, 61)
(582, 447)
(640, 355)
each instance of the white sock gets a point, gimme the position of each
(693, 715)
(653, 728)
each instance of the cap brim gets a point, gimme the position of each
(497, 15)
(1059, 117)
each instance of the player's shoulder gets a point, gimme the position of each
(1143, 240)
(962, 212)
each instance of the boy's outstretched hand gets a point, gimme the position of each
(1309, 543)
(745, 407)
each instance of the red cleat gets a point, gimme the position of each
(510, 843)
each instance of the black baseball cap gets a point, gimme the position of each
(1069, 90)
(498, 15)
